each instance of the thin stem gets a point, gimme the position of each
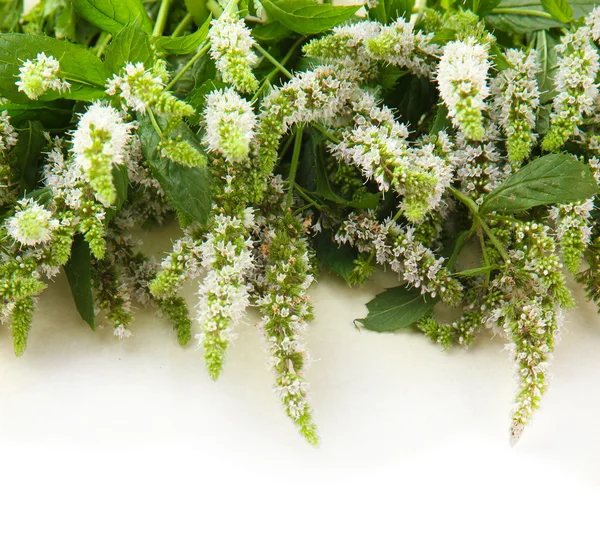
(273, 60)
(154, 122)
(182, 25)
(465, 199)
(519, 11)
(214, 8)
(192, 61)
(307, 197)
(102, 42)
(294, 164)
(486, 259)
(326, 132)
(161, 19)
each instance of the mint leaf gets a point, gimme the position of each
(183, 44)
(306, 17)
(550, 180)
(339, 259)
(28, 153)
(559, 9)
(132, 45)
(396, 308)
(187, 188)
(112, 15)
(521, 16)
(79, 274)
(53, 115)
(79, 66)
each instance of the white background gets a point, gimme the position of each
(101, 439)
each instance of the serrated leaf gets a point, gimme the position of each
(396, 308)
(547, 60)
(112, 15)
(187, 188)
(79, 66)
(79, 275)
(183, 44)
(550, 180)
(28, 153)
(559, 9)
(339, 259)
(132, 45)
(306, 17)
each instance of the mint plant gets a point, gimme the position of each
(286, 136)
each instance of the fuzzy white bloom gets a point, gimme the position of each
(8, 135)
(230, 123)
(231, 47)
(517, 98)
(224, 295)
(40, 75)
(32, 224)
(136, 86)
(592, 21)
(576, 86)
(99, 143)
(462, 81)
(401, 46)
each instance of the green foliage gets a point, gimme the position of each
(28, 155)
(132, 45)
(396, 308)
(79, 274)
(112, 15)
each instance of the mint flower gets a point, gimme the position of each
(8, 135)
(231, 48)
(99, 143)
(142, 89)
(517, 98)
(401, 46)
(40, 75)
(181, 152)
(32, 224)
(592, 21)
(575, 78)
(573, 230)
(230, 123)
(462, 81)
(223, 295)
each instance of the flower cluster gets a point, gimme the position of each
(573, 230)
(462, 78)
(38, 76)
(231, 47)
(32, 224)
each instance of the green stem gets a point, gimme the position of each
(161, 19)
(326, 132)
(307, 197)
(185, 22)
(154, 122)
(519, 11)
(102, 42)
(294, 164)
(284, 61)
(486, 259)
(273, 60)
(192, 61)
(214, 8)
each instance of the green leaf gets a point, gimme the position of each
(197, 97)
(459, 243)
(332, 256)
(28, 153)
(112, 15)
(550, 180)
(387, 11)
(306, 17)
(183, 44)
(79, 66)
(198, 10)
(131, 44)
(187, 188)
(396, 308)
(521, 16)
(481, 7)
(559, 9)
(53, 115)
(273, 31)
(546, 56)
(79, 274)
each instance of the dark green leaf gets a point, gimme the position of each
(542, 121)
(274, 31)
(53, 115)
(79, 66)
(332, 256)
(550, 180)
(459, 243)
(546, 56)
(559, 9)
(187, 188)
(481, 7)
(79, 274)
(130, 45)
(396, 308)
(183, 44)
(441, 121)
(521, 16)
(306, 17)
(28, 153)
(412, 98)
(112, 15)
(387, 11)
